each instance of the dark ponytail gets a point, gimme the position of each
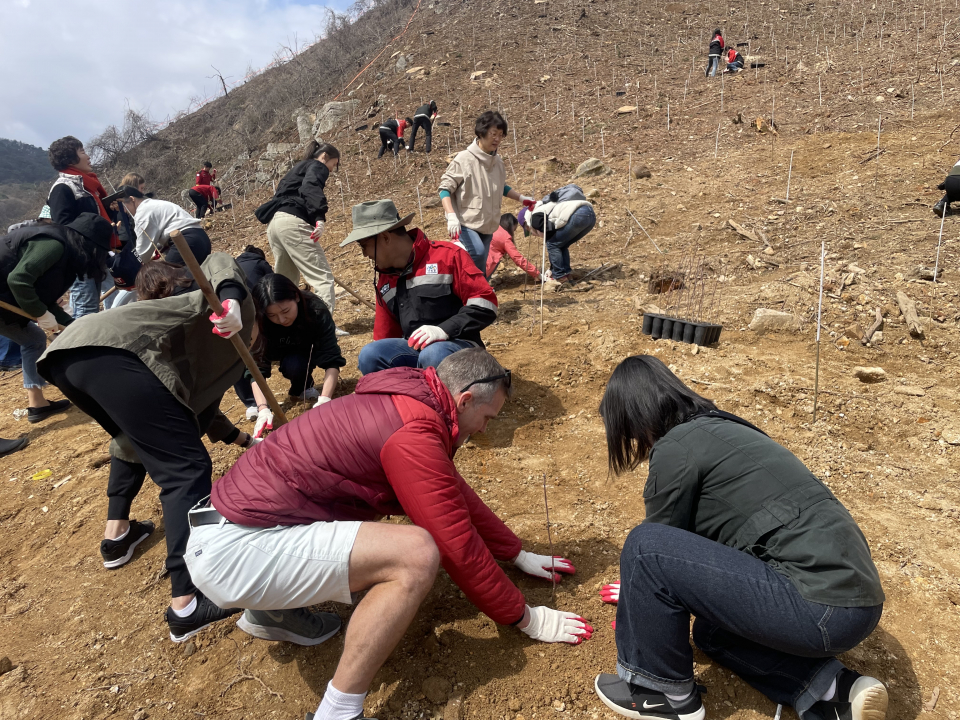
(314, 150)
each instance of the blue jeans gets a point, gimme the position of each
(713, 62)
(478, 245)
(580, 223)
(9, 353)
(32, 341)
(749, 618)
(394, 352)
(85, 297)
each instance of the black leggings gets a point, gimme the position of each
(117, 390)
(422, 122)
(200, 200)
(388, 138)
(197, 240)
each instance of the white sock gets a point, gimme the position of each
(338, 705)
(188, 610)
(831, 691)
(118, 539)
(678, 698)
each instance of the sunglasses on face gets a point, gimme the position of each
(492, 378)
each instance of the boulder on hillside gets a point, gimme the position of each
(304, 120)
(870, 374)
(641, 171)
(766, 320)
(332, 115)
(593, 166)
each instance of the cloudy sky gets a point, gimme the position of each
(71, 66)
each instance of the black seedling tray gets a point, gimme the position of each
(668, 328)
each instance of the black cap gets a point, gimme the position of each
(94, 228)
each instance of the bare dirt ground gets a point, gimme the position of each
(88, 643)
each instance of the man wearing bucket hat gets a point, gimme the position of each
(442, 303)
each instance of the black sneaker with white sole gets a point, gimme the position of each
(636, 702)
(118, 552)
(206, 613)
(298, 626)
(858, 698)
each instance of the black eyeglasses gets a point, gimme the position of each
(492, 378)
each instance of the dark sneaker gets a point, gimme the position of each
(118, 552)
(8, 447)
(184, 628)
(858, 698)
(298, 626)
(37, 414)
(633, 701)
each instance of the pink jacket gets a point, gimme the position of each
(502, 244)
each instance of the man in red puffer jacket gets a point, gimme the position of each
(293, 523)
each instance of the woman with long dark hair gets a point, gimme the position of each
(297, 331)
(296, 217)
(38, 264)
(741, 535)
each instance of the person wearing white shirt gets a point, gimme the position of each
(155, 220)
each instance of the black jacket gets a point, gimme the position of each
(313, 333)
(64, 207)
(392, 125)
(716, 45)
(254, 267)
(427, 109)
(300, 192)
(54, 282)
(734, 485)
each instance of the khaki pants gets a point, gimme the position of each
(295, 254)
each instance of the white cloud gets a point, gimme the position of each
(71, 65)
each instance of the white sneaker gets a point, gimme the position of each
(341, 332)
(252, 413)
(308, 395)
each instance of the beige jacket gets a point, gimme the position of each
(475, 181)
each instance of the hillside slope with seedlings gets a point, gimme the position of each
(751, 202)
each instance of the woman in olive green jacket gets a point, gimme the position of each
(741, 535)
(152, 374)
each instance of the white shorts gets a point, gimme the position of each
(277, 568)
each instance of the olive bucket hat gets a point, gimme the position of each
(373, 217)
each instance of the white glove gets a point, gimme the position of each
(426, 335)
(539, 565)
(453, 225)
(527, 201)
(550, 625)
(322, 400)
(228, 323)
(48, 322)
(318, 231)
(610, 593)
(264, 422)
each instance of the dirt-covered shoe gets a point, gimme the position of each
(858, 698)
(633, 701)
(942, 207)
(308, 395)
(298, 626)
(117, 553)
(37, 414)
(8, 447)
(206, 613)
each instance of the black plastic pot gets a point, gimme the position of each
(662, 327)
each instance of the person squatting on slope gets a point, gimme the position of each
(734, 61)
(293, 522)
(78, 190)
(431, 299)
(568, 217)
(296, 217)
(741, 535)
(152, 374)
(296, 330)
(391, 135)
(423, 118)
(715, 51)
(155, 220)
(38, 264)
(473, 187)
(951, 186)
(253, 262)
(502, 244)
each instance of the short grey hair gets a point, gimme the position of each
(463, 367)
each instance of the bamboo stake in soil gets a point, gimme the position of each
(553, 572)
(816, 377)
(936, 266)
(789, 175)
